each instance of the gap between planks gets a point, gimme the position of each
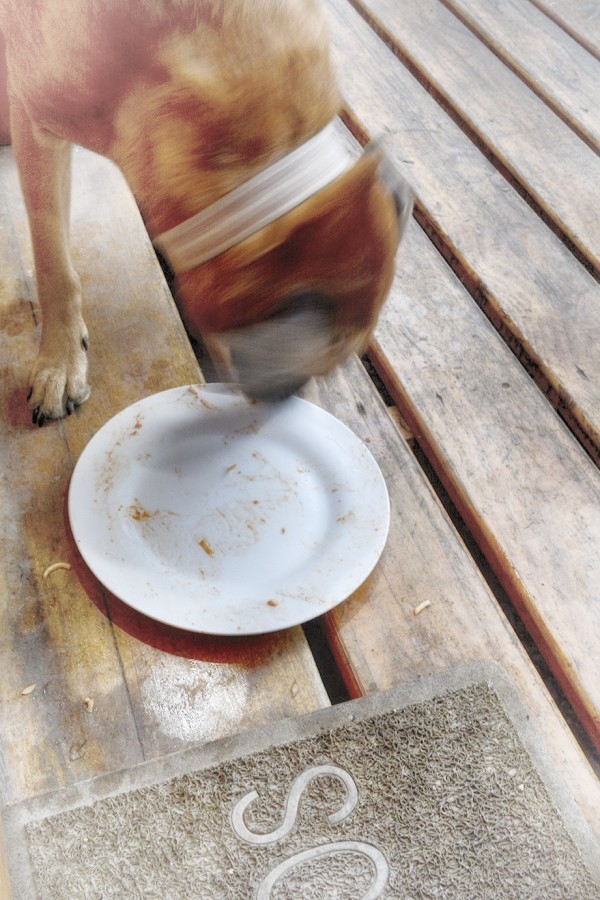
(513, 174)
(573, 16)
(375, 637)
(531, 356)
(386, 105)
(545, 58)
(486, 542)
(480, 559)
(477, 291)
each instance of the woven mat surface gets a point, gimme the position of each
(432, 799)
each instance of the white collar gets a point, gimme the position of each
(264, 198)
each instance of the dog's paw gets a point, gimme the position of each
(59, 378)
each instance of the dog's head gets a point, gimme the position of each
(293, 297)
(297, 297)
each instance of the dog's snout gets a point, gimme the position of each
(263, 371)
(269, 390)
(274, 358)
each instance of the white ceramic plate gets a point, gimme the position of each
(214, 514)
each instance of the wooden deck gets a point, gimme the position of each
(489, 348)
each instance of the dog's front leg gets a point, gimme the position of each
(59, 376)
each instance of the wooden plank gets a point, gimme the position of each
(5, 886)
(554, 65)
(521, 482)
(430, 303)
(519, 479)
(528, 139)
(58, 633)
(377, 639)
(580, 18)
(539, 295)
(52, 636)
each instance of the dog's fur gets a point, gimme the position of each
(191, 98)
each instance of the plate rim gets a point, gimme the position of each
(151, 402)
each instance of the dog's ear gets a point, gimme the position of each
(397, 185)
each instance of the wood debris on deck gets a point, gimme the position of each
(488, 347)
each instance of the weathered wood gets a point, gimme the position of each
(529, 140)
(579, 18)
(57, 632)
(52, 636)
(377, 639)
(5, 885)
(519, 479)
(554, 65)
(545, 302)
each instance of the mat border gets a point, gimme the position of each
(17, 816)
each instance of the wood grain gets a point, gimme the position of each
(377, 639)
(5, 886)
(52, 635)
(521, 482)
(580, 18)
(519, 479)
(558, 69)
(545, 302)
(524, 135)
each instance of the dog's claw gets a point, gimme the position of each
(85, 343)
(38, 417)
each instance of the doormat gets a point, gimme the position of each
(438, 789)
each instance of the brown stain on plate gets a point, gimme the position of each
(206, 547)
(137, 512)
(247, 651)
(139, 421)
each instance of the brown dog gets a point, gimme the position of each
(192, 99)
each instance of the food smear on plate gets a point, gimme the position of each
(206, 547)
(137, 512)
